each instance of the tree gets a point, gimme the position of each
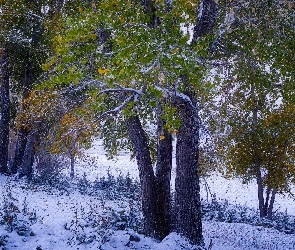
(26, 28)
(5, 111)
(253, 91)
(129, 63)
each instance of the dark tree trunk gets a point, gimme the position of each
(257, 167)
(23, 132)
(206, 19)
(266, 200)
(146, 174)
(163, 176)
(155, 189)
(26, 168)
(72, 160)
(187, 188)
(270, 207)
(262, 208)
(5, 113)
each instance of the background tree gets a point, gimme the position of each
(252, 93)
(5, 111)
(26, 28)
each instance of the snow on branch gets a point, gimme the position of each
(176, 97)
(115, 110)
(147, 70)
(83, 86)
(30, 13)
(137, 92)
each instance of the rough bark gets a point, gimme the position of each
(146, 174)
(23, 132)
(262, 208)
(5, 112)
(206, 19)
(187, 189)
(155, 190)
(163, 176)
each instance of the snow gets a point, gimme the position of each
(61, 215)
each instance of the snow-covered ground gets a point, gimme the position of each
(233, 191)
(57, 218)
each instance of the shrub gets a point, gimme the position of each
(225, 212)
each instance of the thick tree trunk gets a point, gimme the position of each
(19, 149)
(5, 112)
(163, 176)
(206, 19)
(146, 174)
(23, 132)
(155, 189)
(187, 188)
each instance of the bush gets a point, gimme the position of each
(48, 167)
(225, 212)
(97, 221)
(47, 171)
(15, 219)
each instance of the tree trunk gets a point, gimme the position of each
(206, 19)
(5, 113)
(146, 175)
(163, 176)
(23, 132)
(257, 167)
(262, 208)
(272, 200)
(187, 188)
(266, 202)
(72, 160)
(26, 168)
(155, 189)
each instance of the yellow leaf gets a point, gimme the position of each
(175, 131)
(102, 71)
(162, 137)
(175, 50)
(92, 35)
